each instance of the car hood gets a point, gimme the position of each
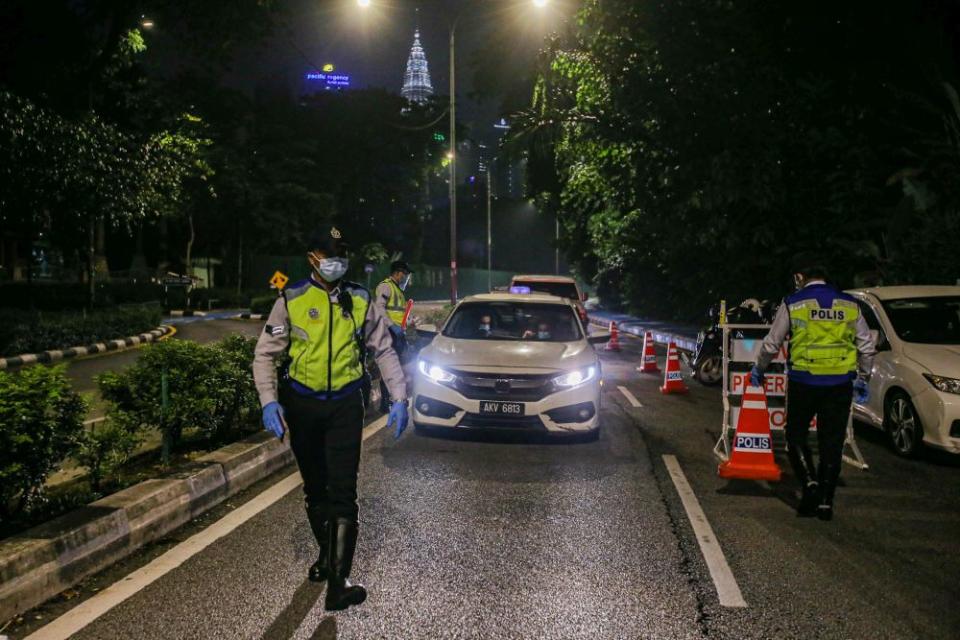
(939, 359)
(519, 356)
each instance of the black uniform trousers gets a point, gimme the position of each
(831, 405)
(325, 436)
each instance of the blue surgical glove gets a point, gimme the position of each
(398, 417)
(756, 377)
(399, 337)
(861, 391)
(273, 419)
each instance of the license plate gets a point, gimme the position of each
(489, 408)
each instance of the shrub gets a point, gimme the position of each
(436, 316)
(33, 331)
(41, 421)
(262, 304)
(104, 447)
(209, 387)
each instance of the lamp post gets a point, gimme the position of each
(489, 228)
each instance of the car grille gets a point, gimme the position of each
(478, 421)
(504, 386)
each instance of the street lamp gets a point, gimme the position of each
(363, 3)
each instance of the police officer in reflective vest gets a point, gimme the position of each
(390, 297)
(830, 361)
(321, 329)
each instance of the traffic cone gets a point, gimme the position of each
(752, 455)
(614, 343)
(649, 358)
(672, 378)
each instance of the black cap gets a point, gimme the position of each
(329, 240)
(400, 265)
(809, 264)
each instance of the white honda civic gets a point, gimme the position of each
(510, 361)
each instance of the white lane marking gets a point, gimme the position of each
(632, 399)
(83, 614)
(723, 580)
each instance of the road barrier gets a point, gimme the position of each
(740, 346)
(673, 377)
(614, 343)
(752, 455)
(649, 357)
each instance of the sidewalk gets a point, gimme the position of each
(684, 335)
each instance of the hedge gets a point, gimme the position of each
(263, 304)
(35, 331)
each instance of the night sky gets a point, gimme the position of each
(372, 45)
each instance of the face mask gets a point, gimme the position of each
(405, 282)
(332, 269)
(543, 335)
(484, 327)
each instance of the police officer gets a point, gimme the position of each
(390, 297)
(831, 358)
(321, 328)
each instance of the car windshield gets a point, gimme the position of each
(926, 320)
(559, 289)
(536, 322)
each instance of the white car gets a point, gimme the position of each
(915, 387)
(510, 361)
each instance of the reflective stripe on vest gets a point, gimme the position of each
(325, 352)
(397, 304)
(822, 340)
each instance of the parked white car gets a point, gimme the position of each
(510, 361)
(915, 388)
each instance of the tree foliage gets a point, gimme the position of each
(692, 148)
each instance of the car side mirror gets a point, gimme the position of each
(427, 330)
(583, 297)
(880, 340)
(601, 337)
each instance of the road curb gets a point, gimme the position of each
(637, 329)
(187, 313)
(55, 355)
(252, 316)
(44, 561)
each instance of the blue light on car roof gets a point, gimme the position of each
(519, 289)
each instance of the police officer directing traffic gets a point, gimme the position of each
(830, 361)
(320, 328)
(390, 297)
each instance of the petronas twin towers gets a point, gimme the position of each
(417, 87)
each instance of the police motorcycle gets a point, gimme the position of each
(707, 361)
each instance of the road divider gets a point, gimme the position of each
(55, 355)
(725, 583)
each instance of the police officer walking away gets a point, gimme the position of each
(320, 329)
(390, 297)
(830, 361)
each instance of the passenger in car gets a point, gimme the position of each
(486, 326)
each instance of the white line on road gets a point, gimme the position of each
(723, 580)
(86, 612)
(632, 399)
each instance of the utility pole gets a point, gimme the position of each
(489, 233)
(556, 247)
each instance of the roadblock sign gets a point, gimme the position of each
(279, 280)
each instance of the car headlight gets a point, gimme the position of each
(578, 376)
(942, 383)
(435, 373)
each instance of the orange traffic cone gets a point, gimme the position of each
(752, 455)
(614, 343)
(649, 359)
(672, 378)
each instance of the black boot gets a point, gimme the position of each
(828, 485)
(343, 542)
(801, 459)
(321, 531)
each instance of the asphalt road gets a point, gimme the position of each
(487, 539)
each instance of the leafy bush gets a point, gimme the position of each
(104, 447)
(436, 316)
(41, 422)
(58, 296)
(33, 331)
(262, 304)
(209, 387)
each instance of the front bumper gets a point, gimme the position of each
(437, 405)
(940, 416)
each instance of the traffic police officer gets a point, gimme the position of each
(830, 362)
(390, 297)
(321, 328)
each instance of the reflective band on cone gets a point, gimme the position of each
(614, 343)
(673, 378)
(648, 363)
(752, 455)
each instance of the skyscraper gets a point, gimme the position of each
(416, 81)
